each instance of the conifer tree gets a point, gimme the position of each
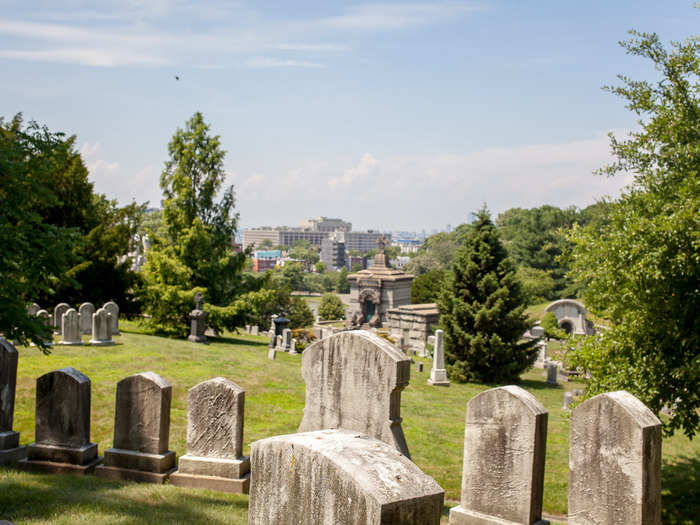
(481, 308)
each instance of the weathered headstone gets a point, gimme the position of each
(62, 425)
(541, 354)
(273, 339)
(58, 312)
(287, 338)
(504, 451)
(101, 328)
(614, 462)
(32, 309)
(354, 381)
(272, 353)
(141, 431)
(293, 347)
(85, 312)
(198, 321)
(70, 328)
(568, 399)
(280, 344)
(214, 458)
(254, 330)
(552, 373)
(10, 451)
(339, 477)
(438, 373)
(113, 309)
(247, 329)
(45, 318)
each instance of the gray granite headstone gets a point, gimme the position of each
(438, 373)
(280, 343)
(504, 451)
(113, 309)
(286, 338)
(85, 314)
(141, 431)
(271, 353)
(70, 328)
(10, 451)
(58, 312)
(293, 347)
(273, 339)
(254, 330)
(614, 462)
(62, 424)
(214, 438)
(552, 374)
(101, 328)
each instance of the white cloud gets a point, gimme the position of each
(268, 62)
(357, 175)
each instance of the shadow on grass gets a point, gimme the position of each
(680, 491)
(531, 384)
(45, 497)
(233, 340)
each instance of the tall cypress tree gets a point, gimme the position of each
(481, 308)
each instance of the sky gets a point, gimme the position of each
(391, 115)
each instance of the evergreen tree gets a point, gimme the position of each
(481, 309)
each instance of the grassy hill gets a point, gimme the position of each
(433, 421)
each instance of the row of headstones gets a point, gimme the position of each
(281, 343)
(70, 324)
(252, 330)
(140, 452)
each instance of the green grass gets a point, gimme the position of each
(433, 421)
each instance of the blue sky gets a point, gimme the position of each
(404, 115)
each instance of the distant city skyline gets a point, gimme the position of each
(396, 115)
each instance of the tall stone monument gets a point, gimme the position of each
(614, 462)
(70, 328)
(113, 309)
(340, 477)
(504, 451)
(354, 381)
(141, 431)
(85, 312)
(438, 373)
(101, 328)
(198, 319)
(10, 451)
(58, 312)
(62, 425)
(214, 458)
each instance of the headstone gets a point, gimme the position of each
(58, 312)
(272, 353)
(537, 332)
(247, 329)
(354, 381)
(293, 347)
(10, 451)
(614, 462)
(113, 309)
(273, 339)
(62, 425)
(141, 431)
(287, 338)
(32, 309)
(70, 329)
(568, 399)
(101, 328)
(254, 330)
(280, 344)
(431, 340)
(339, 477)
(45, 318)
(552, 373)
(214, 458)
(419, 365)
(85, 314)
(504, 451)
(198, 321)
(541, 354)
(438, 373)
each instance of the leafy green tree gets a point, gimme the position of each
(538, 285)
(641, 268)
(481, 309)
(550, 324)
(320, 267)
(426, 288)
(305, 252)
(35, 252)
(331, 308)
(292, 275)
(195, 253)
(299, 313)
(342, 284)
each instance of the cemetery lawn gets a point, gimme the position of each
(433, 422)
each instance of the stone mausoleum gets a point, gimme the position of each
(412, 324)
(378, 289)
(571, 316)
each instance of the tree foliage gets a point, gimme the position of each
(426, 288)
(642, 267)
(481, 309)
(299, 313)
(331, 308)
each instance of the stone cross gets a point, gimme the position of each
(504, 451)
(198, 300)
(113, 309)
(438, 373)
(10, 451)
(214, 456)
(58, 312)
(101, 328)
(70, 328)
(614, 462)
(62, 425)
(382, 243)
(85, 312)
(339, 477)
(141, 431)
(354, 381)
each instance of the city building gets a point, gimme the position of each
(326, 224)
(265, 260)
(332, 253)
(408, 245)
